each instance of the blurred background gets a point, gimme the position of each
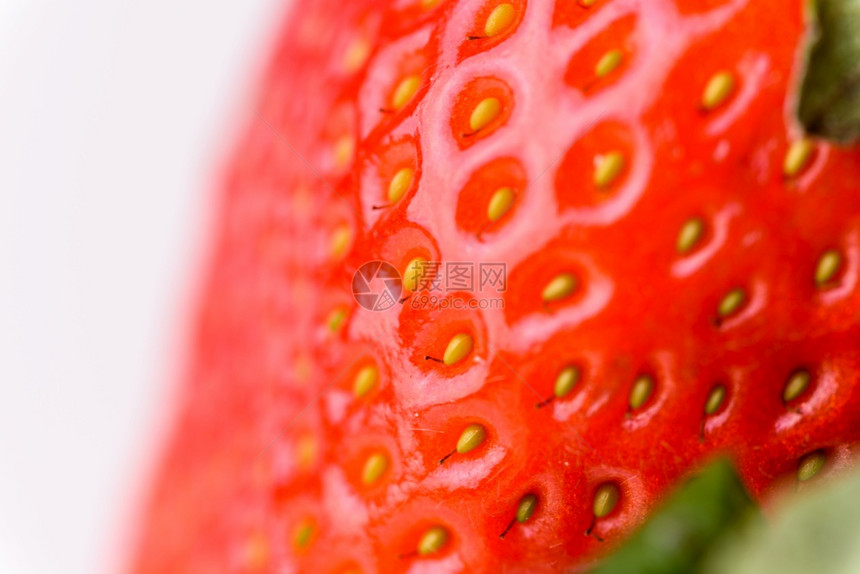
(113, 116)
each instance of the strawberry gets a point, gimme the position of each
(664, 268)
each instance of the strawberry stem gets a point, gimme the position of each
(545, 402)
(508, 529)
(447, 456)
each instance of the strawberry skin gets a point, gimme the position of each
(681, 273)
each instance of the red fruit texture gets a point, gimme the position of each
(680, 269)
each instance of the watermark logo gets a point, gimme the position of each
(377, 286)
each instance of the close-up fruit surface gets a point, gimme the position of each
(654, 266)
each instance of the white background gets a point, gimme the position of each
(113, 116)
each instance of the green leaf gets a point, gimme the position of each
(829, 103)
(815, 533)
(676, 537)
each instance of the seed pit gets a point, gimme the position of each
(525, 508)
(446, 338)
(552, 282)
(490, 197)
(494, 22)
(483, 106)
(604, 59)
(392, 174)
(572, 13)
(605, 501)
(596, 166)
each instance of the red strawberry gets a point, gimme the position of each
(681, 269)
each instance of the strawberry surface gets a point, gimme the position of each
(680, 270)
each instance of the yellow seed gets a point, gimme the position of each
(484, 113)
(458, 349)
(306, 451)
(719, 88)
(810, 465)
(500, 203)
(796, 384)
(715, 399)
(797, 157)
(643, 386)
(413, 274)
(344, 148)
(365, 381)
(304, 533)
(690, 235)
(608, 63)
(356, 55)
(605, 499)
(471, 438)
(428, 4)
(561, 286)
(499, 20)
(828, 266)
(566, 380)
(256, 555)
(526, 507)
(335, 318)
(400, 184)
(404, 91)
(340, 240)
(607, 168)
(732, 302)
(374, 467)
(586, 3)
(433, 540)
(303, 368)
